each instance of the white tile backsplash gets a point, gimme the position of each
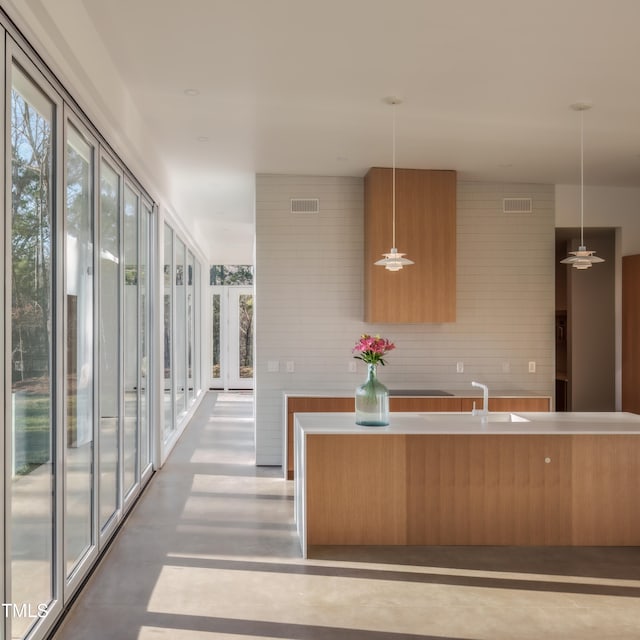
(309, 297)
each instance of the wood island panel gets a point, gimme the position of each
(606, 481)
(490, 489)
(356, 489)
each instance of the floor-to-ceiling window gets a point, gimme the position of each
(82, 339)
(190, 332)
(182, 281)
(131, 335)
(144, 328)
(35, 346)
(79, 533)
(109, 336)
(169, 418)
(180, 329)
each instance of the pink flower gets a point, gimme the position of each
(371, 349)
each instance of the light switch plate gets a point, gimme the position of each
(532, 367)
(459, 367)
(273, 366)
(290, 366)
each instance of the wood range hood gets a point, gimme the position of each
(424, 292)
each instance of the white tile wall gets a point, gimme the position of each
(309, 298)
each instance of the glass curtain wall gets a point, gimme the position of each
(79, 369)
(169, 421)
(181, 348)
(109, 464)
(130, 331)
(198, 329)
(78, 413)
(190, 328)
(181, 330)
(144, 319)
(33, 349)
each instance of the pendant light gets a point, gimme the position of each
(393, 261)
(582, 258)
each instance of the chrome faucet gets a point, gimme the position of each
(485, 400)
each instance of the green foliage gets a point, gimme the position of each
(31, 240)
(233, 275)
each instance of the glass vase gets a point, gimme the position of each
(372, 401)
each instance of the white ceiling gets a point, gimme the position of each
(294, 86)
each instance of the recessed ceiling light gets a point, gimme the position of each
(191, 92)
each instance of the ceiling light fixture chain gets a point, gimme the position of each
(582, 258)
(393, 261)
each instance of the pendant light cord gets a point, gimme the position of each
(582, 178)
(393, 180)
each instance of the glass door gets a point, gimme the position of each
(240, 337)
(33, 415)
(232, 337)
(79, 362)
(109, 347)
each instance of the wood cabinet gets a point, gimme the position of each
(311, 404)
(492, 490)
(524, 403)
(472, 489)
(425, 231)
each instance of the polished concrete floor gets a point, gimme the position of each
(211, 552)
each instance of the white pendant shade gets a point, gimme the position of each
(393, 261)
(582, 258)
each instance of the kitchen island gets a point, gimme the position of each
(400, 400)
(525, 478)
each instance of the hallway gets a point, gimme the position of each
(211, 552)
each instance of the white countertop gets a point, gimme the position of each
(532, 423)
(448, 393)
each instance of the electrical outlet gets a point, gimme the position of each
(459, 367)
(353, 366)
(506, 367)
(273, 366)
(532, 367)
(291, 367)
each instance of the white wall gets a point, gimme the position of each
(309, 298)
(603, 207)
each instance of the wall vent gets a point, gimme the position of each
(305, 205)
(517, 205)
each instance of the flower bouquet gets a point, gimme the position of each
(372, 397)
